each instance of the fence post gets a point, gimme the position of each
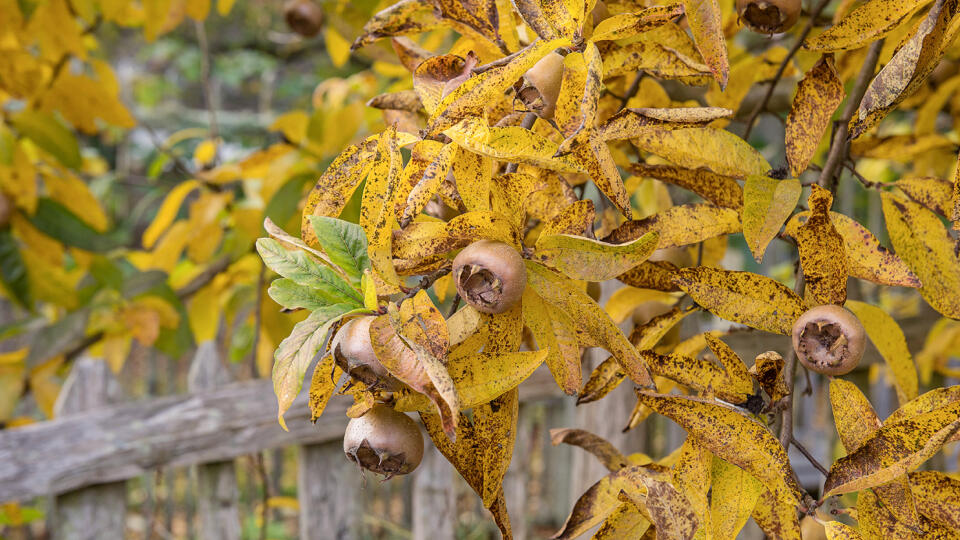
(434, 500)
(217, 494)
(97, 511)
(328, 488)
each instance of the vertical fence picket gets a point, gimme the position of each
(434, 500)
(217, 494)
(328, 488)
(98, 511)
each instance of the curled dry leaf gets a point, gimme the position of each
(609, 456)
(822, 257)
(751, 299)
(818, 96)
(768, 371)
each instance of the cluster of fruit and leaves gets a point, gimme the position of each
(487, 183)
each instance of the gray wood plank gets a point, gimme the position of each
(328, 488)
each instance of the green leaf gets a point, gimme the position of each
(51, 135)
(292, 295)
(53, 219)
(299, 267)
(345, 243)
(13, 272)
(294, 354)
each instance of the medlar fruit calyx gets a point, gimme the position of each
(384, 441)
(490, 276)
(829, 340)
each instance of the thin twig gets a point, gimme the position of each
(806, 453)
(789, 371)
(426, 282)
(631, 90)
(762, 105)
(257, 320)
(841, 141)
(264, 496)
(205, 76)
(869, 184)
(454, 306)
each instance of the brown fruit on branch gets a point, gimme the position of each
(353, 352)
(384, 441)
(303, 17)
(542, 85)
(490, 276)
(769, 16)
(829, 340)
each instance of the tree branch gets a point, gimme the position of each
(806, 453)
(789, 373)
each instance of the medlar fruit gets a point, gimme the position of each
(303, 17)
(769, 16)
(353, 352)
(384, 441)
(829, 340)
(490, 276)
(542, 86)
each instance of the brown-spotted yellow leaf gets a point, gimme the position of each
(909, 68)
(337, 184)
(927, 402)
(934, 193)
(625, 300)
(877, 521)
(568, 115)
(575, 219)
(680, 225)
(869, 22)
(819, 94)
(840, 531)
(661, 60)
(624, 25)
(589, 318)
(922, 241)
(431, 75)
(592, 260)
(629, 123)
(473, 95)
(955, 201)
(647, 335)
(856, 421)
(511, 143)
(473, 174)
(768, 372)
(767, 203)
(609, 456)
(717, 149)
(732, 436)
(404, 17)
(483, 226)
(424, 240)
(474, 17)
(427, 185)
(376, 211)
(532, 14)
(776, 515)
(625, 522)
(593, 86)
(657, 275)
(564, 15)
(938, 497)
(604, 378)
(887, 336)
(704, 19)
(737, 373)
(734, 494)
(667, 509)
(555, 337)
(893, 450)
(593, 155)
(716, 188)
(744, 297)
(598, 502)
(323, 384)
(496, 422)
(866, 257)
(692, 476)
(822, 257)
(698, 374)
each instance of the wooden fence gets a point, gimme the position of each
(82, 460)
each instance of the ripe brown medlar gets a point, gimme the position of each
(384, 441)
(769, 16)
(542, 85)
(829, 340)
(490, 276)
(303, 17)
(353, 352)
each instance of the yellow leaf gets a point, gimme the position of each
(893, 450)
(512, 143)
(625, 300)
(591, 260)
(698, 374)
(887, 336)
(598, 502)
(661, 60)
(734, 494)
(776, 515)
(937, 497)
(680, 225)
(751, 299)
(426, 186)
(767, 203)
(604, 378)
(732, 436)
(822, 257)
(326, 377)
(840, 531)
(927, 402)
(376, 211)
(737, 373)
(12, 379)
(625, 522)
(692, 476)
(198, 9)
(203, 312)
(624, 25)
(45, 384)
(224, 6)
(483, 226)
(667, 509)
(497, 420)
(629, 123)
(818, 96)
(591, 321)
(56, 30)
(554, 334)
(72, 192)
(82, 100)
(924, 244)
(931, 192)
(567, 113)
(593, 155)
(719, 150)
(866, 258)
(703, 17)
(869, 22)
(716, 188)
(293, 125)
